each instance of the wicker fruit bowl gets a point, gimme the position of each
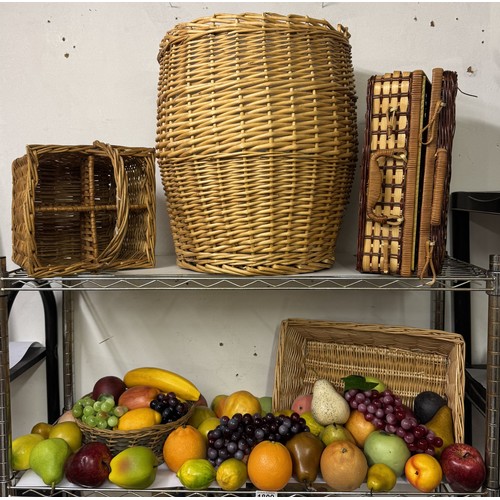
(153, 437)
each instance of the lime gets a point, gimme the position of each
(231, 474)
(196, 474)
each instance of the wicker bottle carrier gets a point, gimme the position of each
(256, 141)
(83, 209)
(406, 168)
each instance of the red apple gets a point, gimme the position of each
(463, 467)
(302, 403)
(201, 401)
(110, 385)
(89, 466)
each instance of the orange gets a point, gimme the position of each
(241, 402)
(343, 466)
(182, 444)
(359, 427)
(269, 466)
(423, 472)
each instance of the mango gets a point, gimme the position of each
(139, 396)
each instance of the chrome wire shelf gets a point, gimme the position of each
(455, 276)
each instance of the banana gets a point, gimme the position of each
(164, 380)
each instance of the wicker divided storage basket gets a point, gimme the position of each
(152, 437)
(83, 208)
(256, 141)
(408, 360)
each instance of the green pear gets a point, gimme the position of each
(328, 406)
(48, 458)
(335, 432)
(134, 468)
(442, 425)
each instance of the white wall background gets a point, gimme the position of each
(74, 72)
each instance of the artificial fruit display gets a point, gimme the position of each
(423, 472)
(109, 385)
(134, 468)
(302, 403)
(47, 460)
(384, 448)
(327, 405)
(89, 466)
(463, 467)
(380, 477)
(305, 450)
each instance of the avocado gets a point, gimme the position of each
(426, 405)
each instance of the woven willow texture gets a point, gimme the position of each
(83, 209)
(406, 170)
(409, 360)
(256, 141)
(389, 188)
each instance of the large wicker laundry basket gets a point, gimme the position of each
(256, 141)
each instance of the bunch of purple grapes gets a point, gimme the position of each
(387, 412)
(169, 407)
(236, 436)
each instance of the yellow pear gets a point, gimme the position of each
(442, 425)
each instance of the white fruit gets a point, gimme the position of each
(328, 406)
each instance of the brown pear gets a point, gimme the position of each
(305, 449)
(442, 425)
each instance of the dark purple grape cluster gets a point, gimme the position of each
(387, 412)
(236, 436)
(169, 406)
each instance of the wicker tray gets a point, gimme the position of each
(408, 360)
(83, 208)
(256, 141)
(153, 437)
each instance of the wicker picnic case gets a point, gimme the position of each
(408, 360)
(432, 229)
(406, 167)
(83, 209)
(256, 141)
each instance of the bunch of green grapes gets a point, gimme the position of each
(102, 414)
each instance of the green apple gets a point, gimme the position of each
(380, 387)
(134, 468)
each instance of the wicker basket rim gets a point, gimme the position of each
(249, 23)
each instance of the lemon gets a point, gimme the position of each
(138, 418)
(70, 432)
(196, 474)
(21, 450)
(314, 427)
(231, 474)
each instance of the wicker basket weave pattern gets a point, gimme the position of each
(152, 437)
(409, 360)
(83, 208)
(256, 141)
